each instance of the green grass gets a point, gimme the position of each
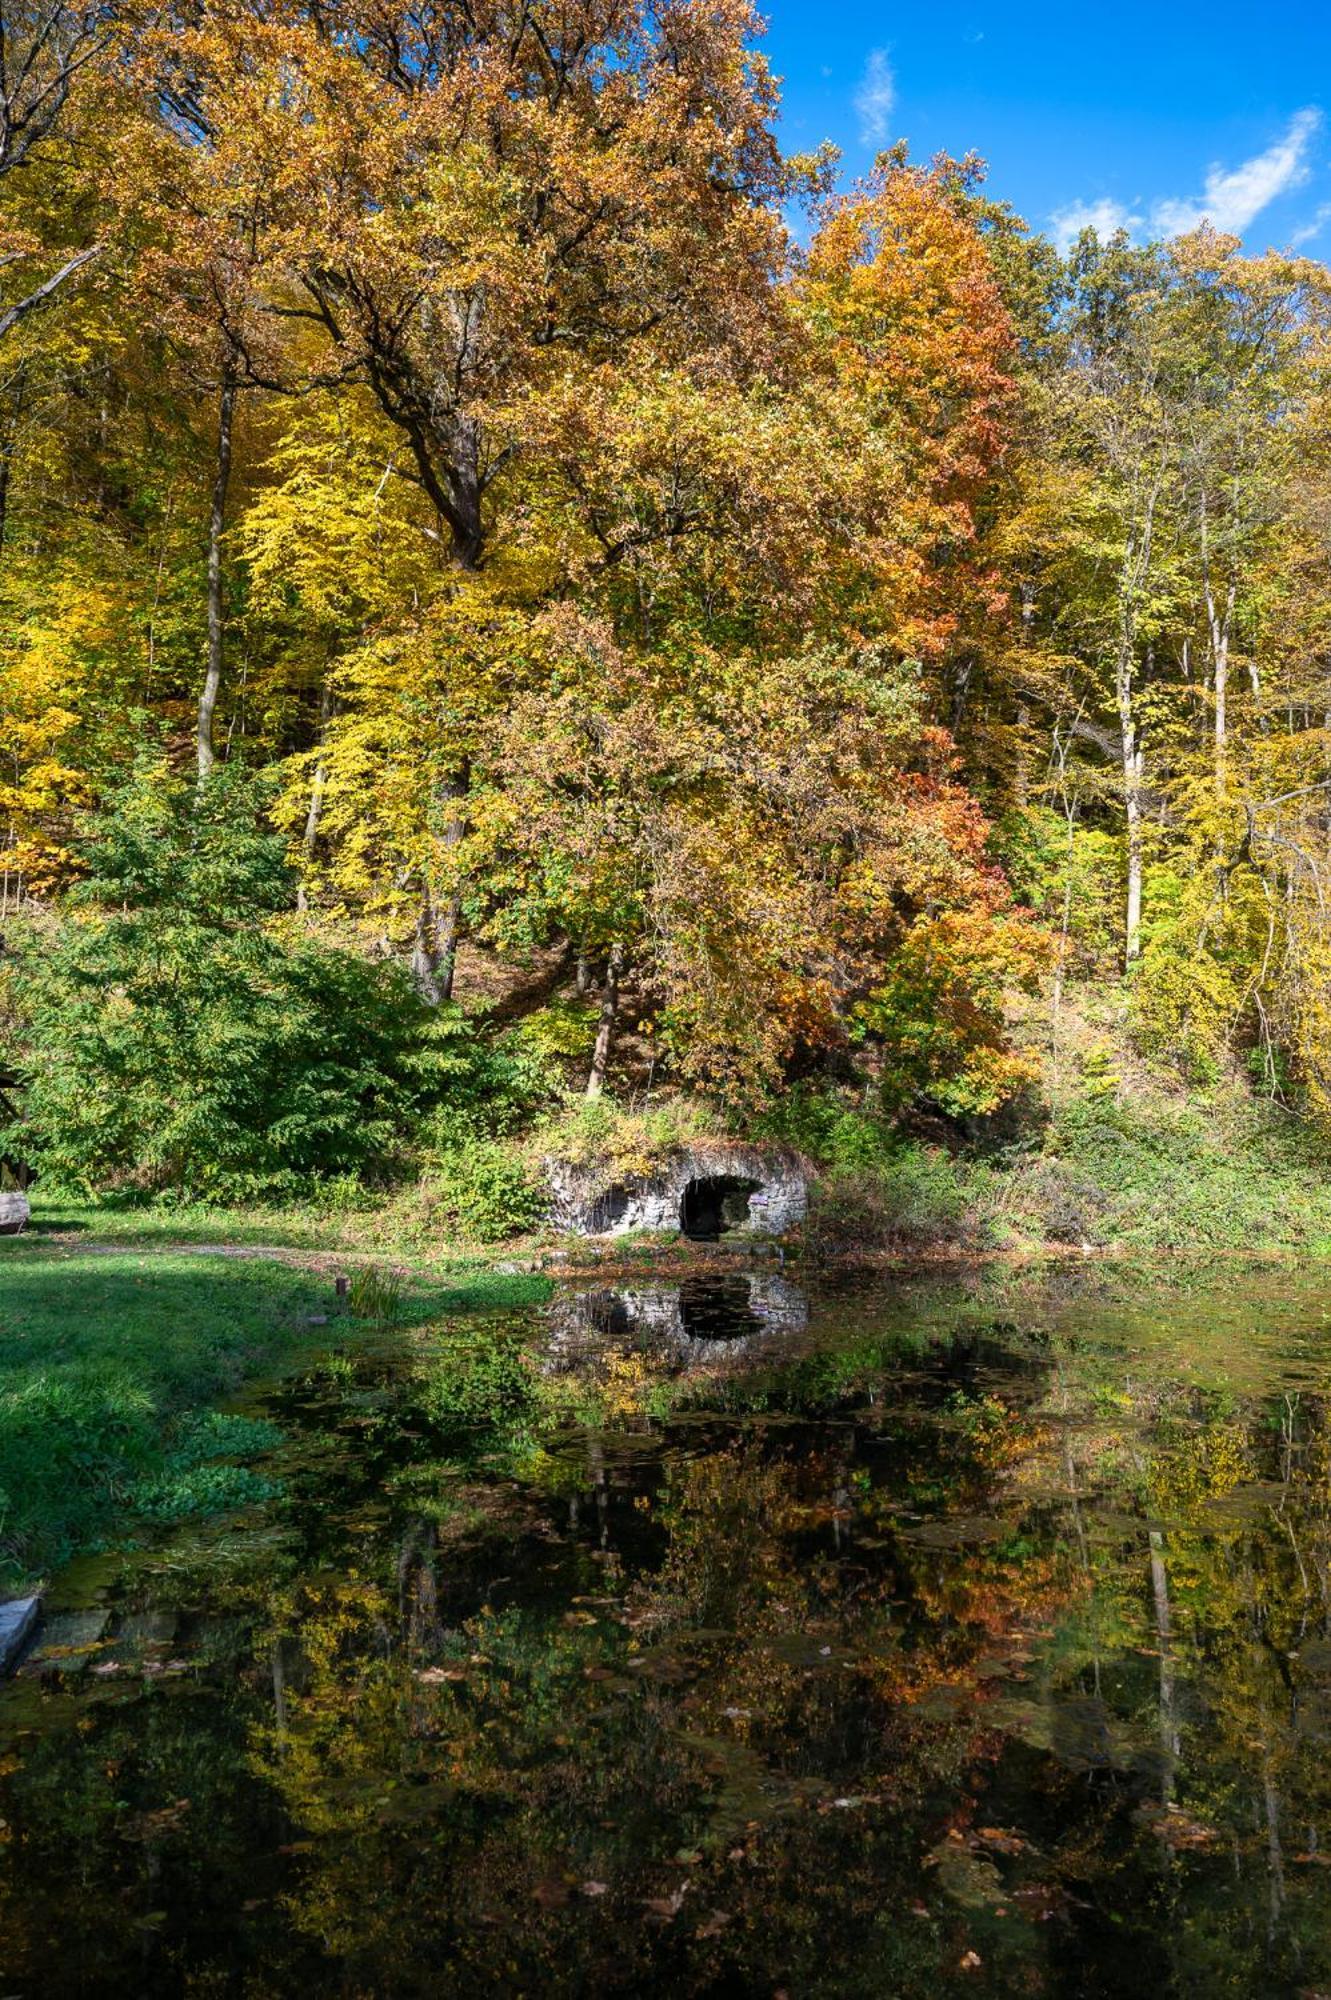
(370, 1228)
(111, 1361)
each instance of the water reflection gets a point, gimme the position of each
(914, 1642)
(701, 1319)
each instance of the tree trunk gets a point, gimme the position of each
(1164, 1638)
(216, 620)
(605, 1032)
(315, 812)
(1219, 625)
(9, 436)
(1133, 767)
(434, 955)
(1136, 568)
(1132, 781)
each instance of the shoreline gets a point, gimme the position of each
(670, 1260)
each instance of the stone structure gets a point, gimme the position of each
(706, 1191)
(14, 1212)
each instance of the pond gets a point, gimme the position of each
(922, 1638)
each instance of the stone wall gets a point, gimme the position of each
(590, 1202)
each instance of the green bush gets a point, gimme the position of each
(487, 1191)
(181, 1034)
(201, 1489)
(911, 1196)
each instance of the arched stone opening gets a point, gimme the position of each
(609, 1208)
(714, 1203)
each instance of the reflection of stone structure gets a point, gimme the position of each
(17, 1620)
(707, 1191)
(704, 1319)
(13, 1213)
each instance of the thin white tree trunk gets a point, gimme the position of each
(216, 615)
(605, 1032)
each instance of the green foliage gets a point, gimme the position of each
(908, 1196)
(487, 1191)
(486, 1085)
(822, 1125)
(375, 1293)
(179, 1037)
(180, 1493)
(1157, 1173)
(221, 1434)
(625, 1139)
(1071, 877)
(193, 1483)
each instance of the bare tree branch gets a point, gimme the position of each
(12, 314)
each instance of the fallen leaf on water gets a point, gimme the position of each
(665, 1907)
(150, 1826)
(1175, 1828)
(714, 1925)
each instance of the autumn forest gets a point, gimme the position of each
(665, 1013)
(473, 512)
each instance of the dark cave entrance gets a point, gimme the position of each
(715, 1203)
(609, 1208)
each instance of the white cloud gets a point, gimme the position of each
(875, 99)
(1313, 229)
(1233, 199)
(1105, 217)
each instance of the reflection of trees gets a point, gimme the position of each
(1211, 1641)
(724, 1768)
(831, 1682)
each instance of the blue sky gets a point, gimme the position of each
(1150, 115)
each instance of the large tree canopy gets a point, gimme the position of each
(432, 409)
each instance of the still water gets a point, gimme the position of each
(920, 1639)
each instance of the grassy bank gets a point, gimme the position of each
(1109, 1177)
(113, 1366)
(1105, 1152)
(1104, 1171)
